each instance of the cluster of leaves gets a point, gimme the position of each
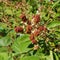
(15, 38)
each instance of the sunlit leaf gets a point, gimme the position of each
(53, 24)
(21, 44)
(5, 41)
(3, 56)
(30, 58)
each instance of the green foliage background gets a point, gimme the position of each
(17, 48)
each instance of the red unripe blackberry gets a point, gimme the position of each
(40, 28)
(23, 17)
(29, 22)
(18, 29)
(36, 32)
(36, 18)
(28, 28)
(45, 29)
(32, 36)
(34, 41)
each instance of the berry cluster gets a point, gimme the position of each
(29, 28)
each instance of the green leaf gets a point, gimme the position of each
(50, 57)
(17, 13)
(3, 56)
(8, 11)
(1, 15)
(5, 41)
(3, 25)
(21, 43)
(3, 49)
(56, 57)
(55, 4)
(30, 58)
(57, 33)
(1, 29)
(39, 52)
(53, 24)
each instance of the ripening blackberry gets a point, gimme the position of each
(32, 36)
(28, 28)
(23, 17)
(18, 29)
(28, 22)
(40, 28)
(36, 18)
(45, 29)
(36, 32)
(34, 41)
